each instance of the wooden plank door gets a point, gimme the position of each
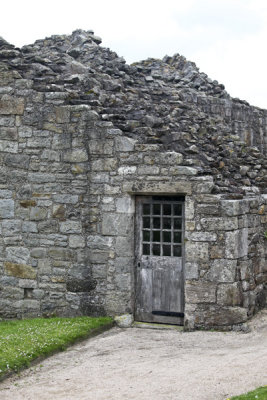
(159, 259)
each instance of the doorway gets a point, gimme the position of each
(159, 294)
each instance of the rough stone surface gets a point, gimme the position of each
(124, 321)
(20, 270)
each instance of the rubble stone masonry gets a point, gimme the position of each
(81, 134)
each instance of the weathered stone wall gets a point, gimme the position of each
(225, 268)
(225, 262)
(44, 201)
(70, 173)
(248, 123)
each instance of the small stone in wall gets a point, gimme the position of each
(20, 270)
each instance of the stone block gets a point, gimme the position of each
(11, 227)
(99, 242)
(150, 188)
(114, 132)
(8, 133)
(99, 271)
(125, 205)
(8, 281)
(203, 237)
(100, 177)
(59, 211)
(52, 127)
(116, 224)
(124, 246)
(204, 187)
(129, 170)
(147, 170)
(38, 214)
(70, 226)
(221, 316)
(76, 241)
(79, 279)
(5, 194)
(217, 252)
(124, 321)
(11, 105)
(13, 293)
(28, 283)
(123, 283)
(168, 158)
(219, 224)
(123, 144)
(62, 115)
(76, 285)
(25, 131)
(37, 177)
(222, 270)
(75, 156)
(57, 279)
(38, 252)
(48, 226)
(124, 265)
(38, 294)
(30, 304)
(8, 147)
(110, 190)
(27, 203)
(209, 199)
(229, 294)
(107, 164)
(189, 208)
(200, 292)
(98, 257)
(208, 209)
(18, 254)
(58, 253)
(190, 226)
(38, 142)
(191, 270)
(7, 121)
(66, 198)
(44, 267)
(7, 76)
(20, 161)
(236, 243)
(50, 155)
(196, 251)
(183, 170)
(234, 207)
(20, 270)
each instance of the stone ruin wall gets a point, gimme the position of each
(67, 186)
(246, 122)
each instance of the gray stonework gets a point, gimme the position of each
(81, 134)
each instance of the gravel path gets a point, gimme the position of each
(149, 364)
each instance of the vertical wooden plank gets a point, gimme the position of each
(176, 284)
(146, 293)
(156, 289)
(173, 290)
(164, 289)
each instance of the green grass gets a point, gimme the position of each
(25, 340)
(258, 394)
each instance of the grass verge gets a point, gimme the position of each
(258, 394)
(26, 340)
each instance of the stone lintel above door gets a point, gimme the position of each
(152, 188)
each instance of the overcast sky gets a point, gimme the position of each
(227, 39)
